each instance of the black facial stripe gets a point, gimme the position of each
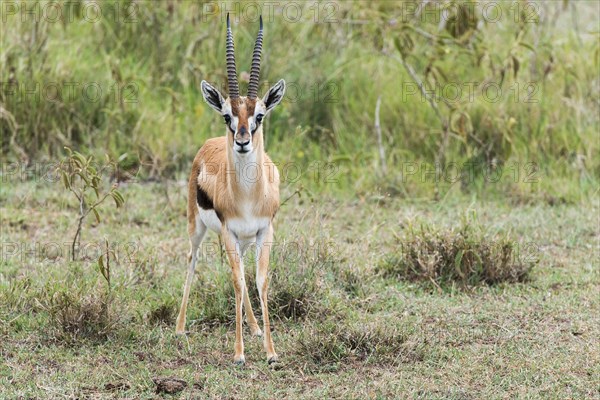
(258, 122)
(228, 121)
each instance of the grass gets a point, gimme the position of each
(362, 335)
(463, 256)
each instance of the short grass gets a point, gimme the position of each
(342, 329)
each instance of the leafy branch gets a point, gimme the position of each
(80, 177)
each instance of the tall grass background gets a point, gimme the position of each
(149, 57)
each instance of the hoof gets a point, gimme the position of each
(181, 332)
(273, 360)
(239, 361)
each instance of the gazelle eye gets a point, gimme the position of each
(227, 119)
(259, 118)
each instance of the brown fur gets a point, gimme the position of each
(215, 160)
(214, 183)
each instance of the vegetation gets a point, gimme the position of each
(399, 126)
(81, 175)
(361, 334)
(462, 256)
(510, 91)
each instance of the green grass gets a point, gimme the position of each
(360, 335)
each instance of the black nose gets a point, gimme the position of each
(242, 144)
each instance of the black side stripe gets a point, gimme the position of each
(205, 202)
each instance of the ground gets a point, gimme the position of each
(350, 334)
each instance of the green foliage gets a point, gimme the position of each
(81, 176)
(541, 57)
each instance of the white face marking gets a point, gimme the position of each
(259, 109)
(227, 111)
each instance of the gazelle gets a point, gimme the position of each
(234, 190)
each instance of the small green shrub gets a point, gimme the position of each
(81, 176)
(214, 297)
(163, 313)
(464, 256)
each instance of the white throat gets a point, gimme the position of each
(248, 170)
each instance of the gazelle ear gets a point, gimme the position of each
(274, 95)
(212, 96)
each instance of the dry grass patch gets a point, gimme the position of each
(465, 257)
(82, 316)
(328, 343)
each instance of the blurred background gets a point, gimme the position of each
(505, 86)
(440, 173)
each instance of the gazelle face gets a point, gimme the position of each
(243, 116)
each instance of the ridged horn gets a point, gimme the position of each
(255, 69)
(234, 90)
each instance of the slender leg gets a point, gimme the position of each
(264, 243)
(195, 239)
(252, 322)
(251, 319)
(233, 251)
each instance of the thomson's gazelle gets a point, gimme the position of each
(234, 190)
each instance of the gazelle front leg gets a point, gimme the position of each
(264, 243)
(252, 322)
(233, 250)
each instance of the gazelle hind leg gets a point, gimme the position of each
(264, 244)
(234, 256)
(250, 318)
(252, 322)
(196, 236)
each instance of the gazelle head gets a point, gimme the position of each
(243, 115)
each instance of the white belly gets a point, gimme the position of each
(248, 227)
(245, 228)
(210, 219)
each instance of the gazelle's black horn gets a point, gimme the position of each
(255, 69)
(234, 90)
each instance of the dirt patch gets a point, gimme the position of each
(169, 385)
